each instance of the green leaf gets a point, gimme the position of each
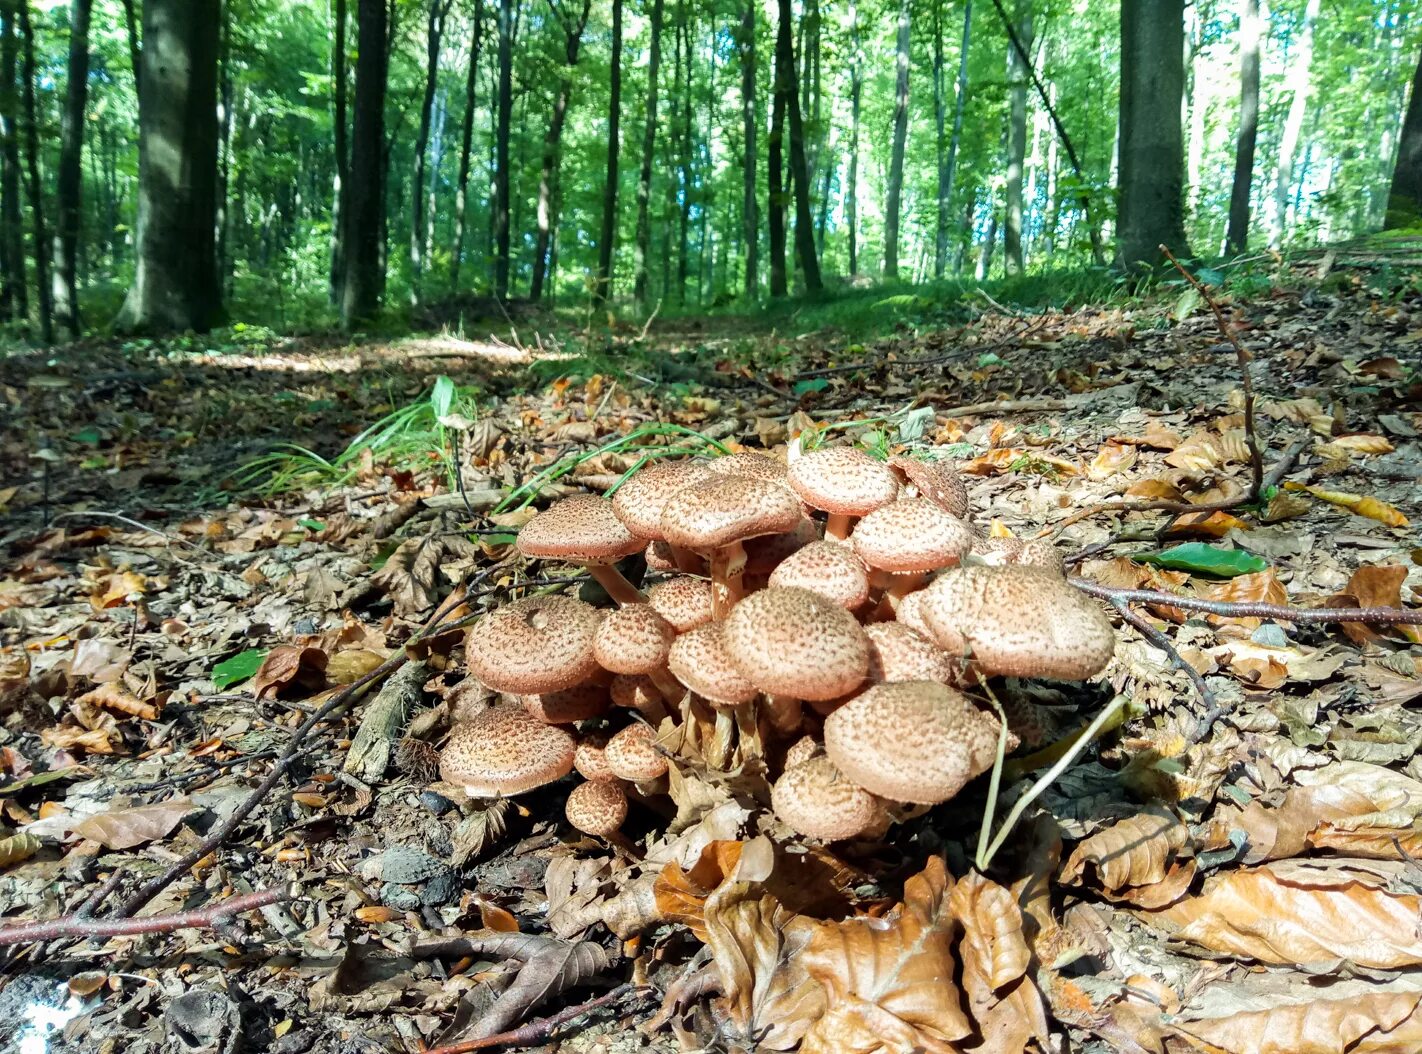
(1188, 301)
(989, 358)
(915, 423)
(312, 525)
(499, 539)
(238, 668)
(39, 779)
(815, 384)
(1205, 559)
(89, 436)
(1209, 276)
(442, 398)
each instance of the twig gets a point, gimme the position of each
(95, 900)
(1213, 709)
(650, 319)
(1251, 437)
(78, 925)
(96, 514)
(1279, 612)
(538, 1031)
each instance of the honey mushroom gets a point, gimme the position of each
(902, 541)
(638, 503)
(584, 531)
(844, 482)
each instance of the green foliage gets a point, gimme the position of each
(240, 667)
(1202, 558)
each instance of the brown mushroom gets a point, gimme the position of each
(597, 807)
(700, 661)
(829, 569)
(590, 758)
(582, 702)
(1024, 552)
(897, 653)
(934, 481)
(683, 601)
(637, 692)
(766, 553)
(539, 644)
(583, 530)
(632, 755)
(904, 540)
(505, 751)
(816, 800)
(910, 613)
(635, 640)
(843, 481)
(749, 463)
(638, 503)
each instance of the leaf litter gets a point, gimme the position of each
(180, 597)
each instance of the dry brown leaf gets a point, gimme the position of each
(1303, 913)
(1367, 506)
(1205, 450)
(889, 981)
(115, 590)
(93, 740)
(1374, 585)
(125, 828)
(1155, 490)
(114, 696)
(1215, 524)
(1262, 587)
(1355, 446)
(1360, 1023)
(1135, 851)
(1006, 1006)
(291, 666)
(1006, 459)
(1111, 459)
(681, 894)
(346, 667)
(410, 575)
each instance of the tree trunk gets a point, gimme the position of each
(1250, 32)
(1151, 211)
(69, 180)
(950, 164)
(940, 123)
(548, 178)
(896, 159)
(34, 188)
(130, 17)
(804, 222)
(750, 210)
(175, 285)
(434, 37)
(501, 150)
(466, 143)
(609, 191)
(644, 180)
(364, 277)
(343, 163)
(224, 139)
(1297, 87)
(775, 186)
(1013, 261)
(1404, 200)
(856, 95)
(14, 296)
(684, 150)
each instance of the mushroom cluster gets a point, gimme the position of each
(824, 617)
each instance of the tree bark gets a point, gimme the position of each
(896, 159)
(684, 154)
(364, 277)
(434, 38)
(501, 150)
(69, 180)
(342, 148)
(856, 95)
(226, 92)
(34, 188)
(14, 296)
(750, 209)
(950, 164)
(1013, 261)
(609, 193)
(799, 173)
(1404, 200)
(940, 127)
(1251, 27)
(466, 143)
(1151, 211)
(644, 180)
(548, 178)
(130, 17)
(1297, 86)
(775, 186)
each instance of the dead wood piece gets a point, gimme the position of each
(536, 1032)
(374, 742)
(1232, 609)
(78, 925)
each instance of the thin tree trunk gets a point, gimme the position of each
(1013, 261)
(856, 95)
(466, 143)
(14, 296)
(609, 193)
(1404, 201)
(434, 37)
(985, 250)
(363, 280)
(1297, 87)
(130, 17)
(343, 162)
(502, 182)
(224, 139)
(950, 163)
(896, 161)
(548, 178)
(940, 122)
(69, 181)
(804, 222)
(775, 176)
(35, 188)
(684, 217)
(1251, 27)
(750, 217)
(644, 180)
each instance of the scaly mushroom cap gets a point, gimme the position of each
(535, 645)
(1018, 622)
(597, 808)
(638, 503)
(582, 529)
(910, 613)
(749, 463)
(590, 759)
(636, 691)
(765, 554)
(659, 557)
(504, 751)
(633, 640)
(843, 480)
(727, 509)
(911, 535)
(828, 569)
(699, 660)
(582, 702)
(684, 601)
(632, 755)
(914, 741)
(795, 643)
(897, 653)
(816, 800)
(801, 751)
(1024, 552)
(935, 481)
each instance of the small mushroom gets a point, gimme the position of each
(816, 800)
(683, 601)
(700, 661)
(583, 530)
(505, 751)
(749, 463)
(766, 553)
(582, 702)
(597, 807)
(829, 569)
(910, 613)
(590, 758)
(638, 503)
(632, 755)
(635, 640)
(898, 653)
(535, 645)
(845, 482)
(904, 540)
(1024, 552)
(935, 481)
(637, 692)
(913, 741)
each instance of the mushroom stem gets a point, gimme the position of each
(837, 527)
(784, 712)
(896, 587)
(687, 561)
(617, 587)
(672, 690)
(727, 565)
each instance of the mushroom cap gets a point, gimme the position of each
(766, 553)
(683, 601)
(638, 503)
(816, 800)
(582, 702)
(504, 751)
(633, 639)
(749, 463)
(1018, 622)
(910, 613)
(582, 529)
(792, 642)
(801, 751)
(826, 568)
(843, 480)
(727, 509)
(632, 754)
(699, 660)
(590, 759)
(659, 557)
(636, 691)
(597, 807)
(898, 653)
(913, 741)
(1024, 552)
(534, 645)
(935, 481)
(909, 535)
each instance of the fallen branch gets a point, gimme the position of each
(1245, 609)
(537, 1032)
(80, 925)
(1213, 709)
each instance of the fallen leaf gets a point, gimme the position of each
(346, 667)
(1261, 587)
(290, 665)
(114, 696)
(1111, 459)
(115, 590)
(1361, 505)
(1374, 585)
(17, 848)
(1215, 524)
(1316, 1022)
(1354, 446)
(126, 828)
(1155, 490)
(1135, 851)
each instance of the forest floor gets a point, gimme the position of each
(181, 594)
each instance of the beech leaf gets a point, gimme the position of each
(1201, 558)
(1135, 851)
(126, 828)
